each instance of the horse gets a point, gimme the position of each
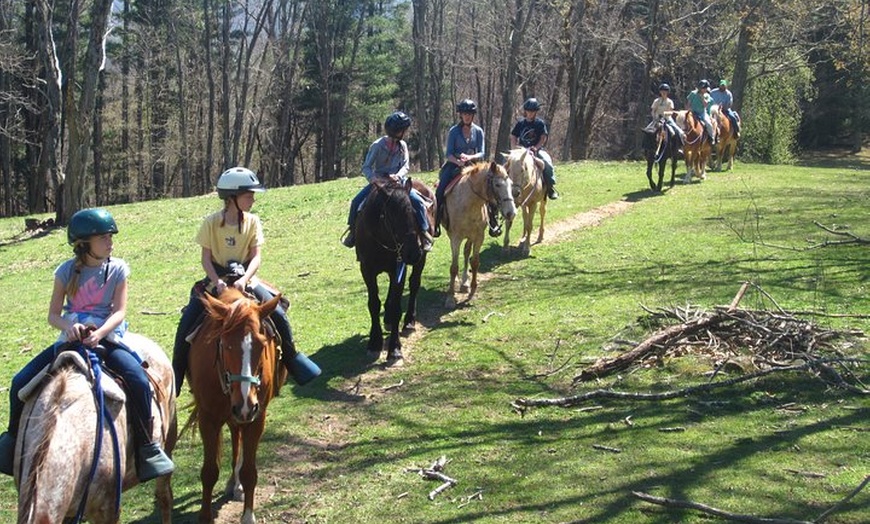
(465, 218)
(697, 145)
(526, 172)
(387, 242)
(727, 145)
(658, 147)
(65, 468)
(234, 373)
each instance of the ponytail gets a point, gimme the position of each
(80, 248)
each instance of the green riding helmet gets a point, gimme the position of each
(89, 222)
(237, 180)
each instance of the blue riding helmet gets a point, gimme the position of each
(396, 123)
(89, 222)
(531, 104)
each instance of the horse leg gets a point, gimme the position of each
(410, 323)
(674, 162)
(649, 166)
(392, 315)
(210, 433)
(506, 246)
(376, 334)
(689, 159)
(450, 301)
(466, 252)
(662, 164)
(248, 472)
(475, 265)
(543, 213)
(234, 489)
(528, 216)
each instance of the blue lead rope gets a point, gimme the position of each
(102, 414)
(400, 271)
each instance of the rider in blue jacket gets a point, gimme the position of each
(532, 132)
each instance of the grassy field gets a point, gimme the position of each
(336, 450)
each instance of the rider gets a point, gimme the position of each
(464, 146)
(723, 97)
(88, 304)
(663, 108)
(532, 132)
(388, 156)
(231, 241)
(700, 103)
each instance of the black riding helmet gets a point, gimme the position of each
(396, 123)
(664, 87)
(703, 84)
(89, 222)
(466, 106)
(531, 104)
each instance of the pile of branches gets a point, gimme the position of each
(754, 343)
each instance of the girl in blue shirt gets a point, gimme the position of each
(465, 145)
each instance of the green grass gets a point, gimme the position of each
(336, 450)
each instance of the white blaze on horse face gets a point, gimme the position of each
(246, 371)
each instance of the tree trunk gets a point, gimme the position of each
(519, 26)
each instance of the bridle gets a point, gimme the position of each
(226, 378)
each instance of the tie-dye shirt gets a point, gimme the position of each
(92, 302)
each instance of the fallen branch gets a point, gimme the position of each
(435, 472)
(685, 504)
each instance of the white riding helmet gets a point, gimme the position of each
(237, 180)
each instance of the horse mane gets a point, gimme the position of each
(49, 425)
(475, 168)
(238, 315)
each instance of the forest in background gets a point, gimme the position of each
(112, 101)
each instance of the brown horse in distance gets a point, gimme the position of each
(727, 145)
(697, 146)
(234, 374)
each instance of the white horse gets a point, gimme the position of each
(526, 172)
(466, 217)
(56, 441)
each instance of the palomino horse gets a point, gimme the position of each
(64, 466)
(527, 180)
(234, 372)
(727, 145)
(466, 217)
(696, 147)
(658, 147)
(387, 242)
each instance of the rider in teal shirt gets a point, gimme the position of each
(700, 103)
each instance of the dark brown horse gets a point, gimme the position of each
(387, 241)
(658, 147)
(234, 373)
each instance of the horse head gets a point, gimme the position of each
(246, 349)
(396, 228)
(523, 168)
(500, 189)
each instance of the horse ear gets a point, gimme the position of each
(214, 307)
(409, 185)
(493, 167)
(268, 307)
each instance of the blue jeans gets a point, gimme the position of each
(120, 360)
(549, 174)
(416, 203)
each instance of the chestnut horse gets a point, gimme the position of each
(697, 145)
(64, 466)
(465, 217)
(387, 242)
(234, 372)
(727, 145)
(658, 147)
(526, 172)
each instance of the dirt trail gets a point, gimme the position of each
(429, 318)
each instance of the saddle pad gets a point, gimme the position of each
(111, 389)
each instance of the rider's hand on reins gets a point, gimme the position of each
(219, 287)
(241, 284)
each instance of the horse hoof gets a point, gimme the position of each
(395, 362)
(410, 327)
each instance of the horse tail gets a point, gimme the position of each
(47, 425)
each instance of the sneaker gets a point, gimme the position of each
(7, 453)
(349, 240)
(552, 194)
(426, 241)
(153, 462)
(495, 231)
